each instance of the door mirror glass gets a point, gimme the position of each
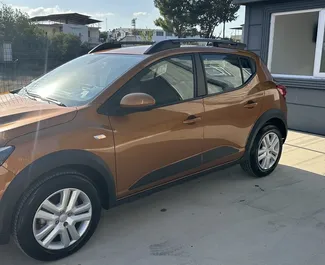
(137, 100)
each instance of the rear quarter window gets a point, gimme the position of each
(248, 68)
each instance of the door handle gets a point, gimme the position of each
(250, 104)
(192, 119)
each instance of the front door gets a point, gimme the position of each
(156, 146)
(232, 106)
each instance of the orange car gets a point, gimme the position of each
(120, 122)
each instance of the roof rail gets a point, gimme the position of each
(176, 43)
(116, 45)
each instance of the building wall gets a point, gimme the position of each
(77, 30)
(50, 29)
(306, 97)
(86, 34)
(93, 35)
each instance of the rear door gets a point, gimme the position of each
(232, 104)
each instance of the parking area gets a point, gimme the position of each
(224, 218)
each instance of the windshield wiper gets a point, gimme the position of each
(49, 100)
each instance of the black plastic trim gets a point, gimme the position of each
(184, 165)
(260, 123)
(177, 182)
(176, 43)
(201, 80)
(218, 153)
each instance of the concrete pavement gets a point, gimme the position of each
(224, 218)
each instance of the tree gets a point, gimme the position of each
(146, 35)
(63, 48)
(208, 16)
(228, 12)
(175, 16)
(165, 24)
(26, 38)
(103, 35)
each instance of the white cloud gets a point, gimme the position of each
(41, 11)
(138, 14)
(101, 15)
(44, 11)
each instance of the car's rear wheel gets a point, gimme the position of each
(265, 153)
(57, 216)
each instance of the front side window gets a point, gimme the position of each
(169, 81)
(222, 71)
(79, 81)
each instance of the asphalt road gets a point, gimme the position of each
(224, 218)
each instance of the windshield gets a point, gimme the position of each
(79, 81)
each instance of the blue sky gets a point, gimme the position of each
(118, 13)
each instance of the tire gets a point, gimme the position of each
(251, 164)
(26, 223)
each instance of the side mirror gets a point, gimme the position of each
(137, 101)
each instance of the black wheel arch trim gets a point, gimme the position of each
(43, 165)
(260, 123)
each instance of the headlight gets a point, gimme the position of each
(5, 152)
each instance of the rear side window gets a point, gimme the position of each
(222, 71)
(226, 72)
(248, 68)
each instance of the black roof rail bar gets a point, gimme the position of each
(176, 43)
(116, 45)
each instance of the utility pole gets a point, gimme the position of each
(46, 54)
(134, 25)
(224, 29)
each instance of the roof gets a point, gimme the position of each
(129, 50)
(67, 18)
(141, 50)
(237, 28)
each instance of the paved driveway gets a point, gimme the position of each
(225, 218)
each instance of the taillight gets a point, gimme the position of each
(282, 89)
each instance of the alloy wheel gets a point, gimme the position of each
(62, 219)
(268, 151)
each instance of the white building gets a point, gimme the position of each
(86, 28)
(158, 34)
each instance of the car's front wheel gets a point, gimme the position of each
(57, 216)
(265, 153)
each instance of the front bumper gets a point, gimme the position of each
(5, 216)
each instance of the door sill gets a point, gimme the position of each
(171, 183)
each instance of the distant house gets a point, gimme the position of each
(237, 34)
(5, 52)
(158, 34)
(86, 28)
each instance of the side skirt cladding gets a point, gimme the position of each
(184, 165)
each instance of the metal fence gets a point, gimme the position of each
(26, 66)
(14, 75)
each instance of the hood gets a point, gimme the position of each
(20, 115)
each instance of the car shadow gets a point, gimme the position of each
(131, 227)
